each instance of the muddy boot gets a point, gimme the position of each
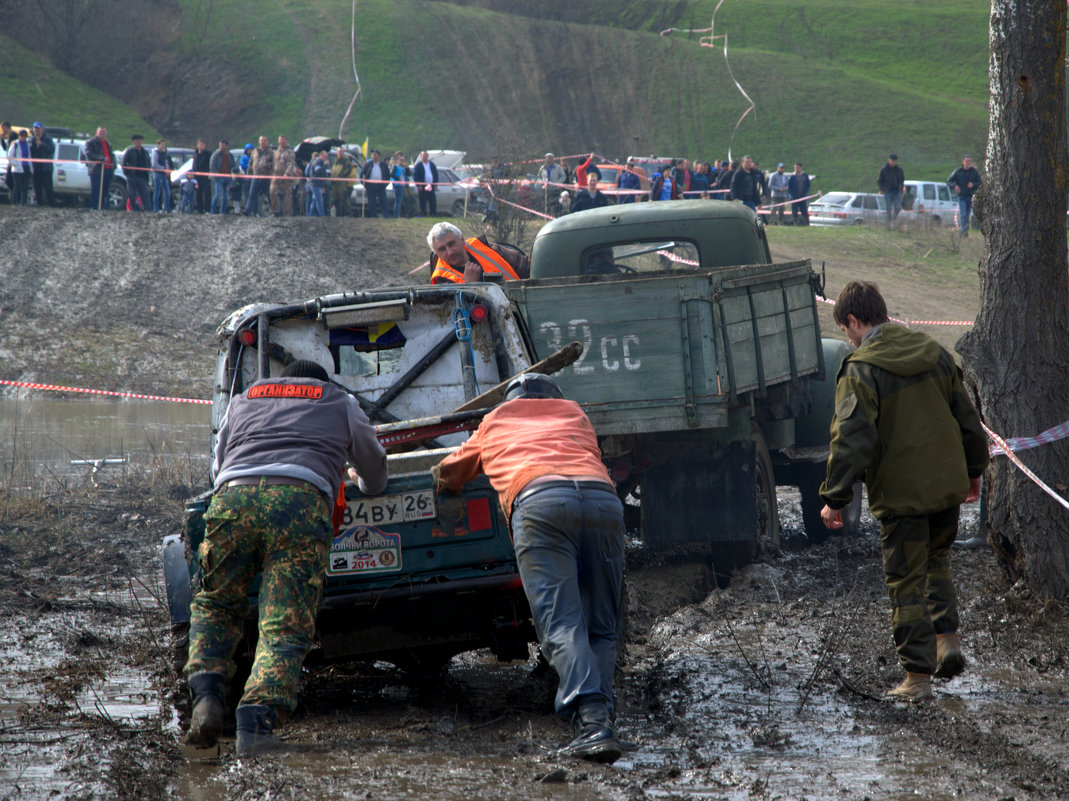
(949, 661)
(255, 735)
(916, 687)
(207, 720)
(596, 740)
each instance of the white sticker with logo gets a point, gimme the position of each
(364, 550)
(385, 510)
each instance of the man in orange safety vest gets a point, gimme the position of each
(456, 260)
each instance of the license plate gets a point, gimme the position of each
(385, 510)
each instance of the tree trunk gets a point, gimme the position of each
(1017, 354)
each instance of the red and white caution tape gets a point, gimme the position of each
(1053, 434)
(912, 322)
(84, 390)
(1005, 447)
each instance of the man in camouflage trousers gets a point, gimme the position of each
(903, 422)
(278, 466)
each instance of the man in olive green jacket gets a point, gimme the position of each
(904, 423)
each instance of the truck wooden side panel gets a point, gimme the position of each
(674, 351)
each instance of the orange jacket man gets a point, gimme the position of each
(459, 261)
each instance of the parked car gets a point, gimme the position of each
(70, 174)
(930, 202)
(453, 193)
(847, 208)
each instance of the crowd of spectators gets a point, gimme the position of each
(741, 180)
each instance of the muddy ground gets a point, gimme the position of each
(768, 688)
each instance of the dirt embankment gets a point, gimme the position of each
(131, 301)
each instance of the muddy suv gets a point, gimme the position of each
(412, 577)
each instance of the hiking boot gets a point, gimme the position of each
(949, 661)
(596, 740)
(916, 687)
(255, 731)
(206, 723)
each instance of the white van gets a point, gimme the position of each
(930, 203)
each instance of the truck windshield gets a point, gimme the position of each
(640, 257)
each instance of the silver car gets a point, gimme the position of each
(453, 193)
(847, 208)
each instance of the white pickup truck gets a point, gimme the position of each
(70, 175)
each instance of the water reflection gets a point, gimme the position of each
(72, 437)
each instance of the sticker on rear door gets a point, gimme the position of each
(364, 550)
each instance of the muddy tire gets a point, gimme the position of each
(767, 539)
(458, 208)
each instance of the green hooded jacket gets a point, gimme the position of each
(903, 423)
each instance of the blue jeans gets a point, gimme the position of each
(398, 198)
(161, 191)
(964, 211)
(220, 195)
(569, 545)
(315, 202)
(99, 184)
(260, 186)
(894, 203)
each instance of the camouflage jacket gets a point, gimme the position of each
(263, 162)
(286, 163)
(902, 422)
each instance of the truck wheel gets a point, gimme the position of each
(767, 542)
(117, 196)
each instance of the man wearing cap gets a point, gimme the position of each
(376, 175)
(964, 182)
(780, 192)
(541, 455)
(43, 152)
(425, 174)
(628, 182)
(278, 467)
(135, 165)
(891, 181)
(161, 177)
(100, 163)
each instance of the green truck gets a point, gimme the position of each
(703, 369)
(701, 366)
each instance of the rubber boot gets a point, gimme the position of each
(255, 731)
(916, 687)
(206, 722)
(596, 740)
(949, 661)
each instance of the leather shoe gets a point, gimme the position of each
(595, 743)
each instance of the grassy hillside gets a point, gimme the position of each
(837, 84)
(31, 89)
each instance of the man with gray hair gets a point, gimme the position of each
(459, 261)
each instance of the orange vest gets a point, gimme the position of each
(485, 256)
